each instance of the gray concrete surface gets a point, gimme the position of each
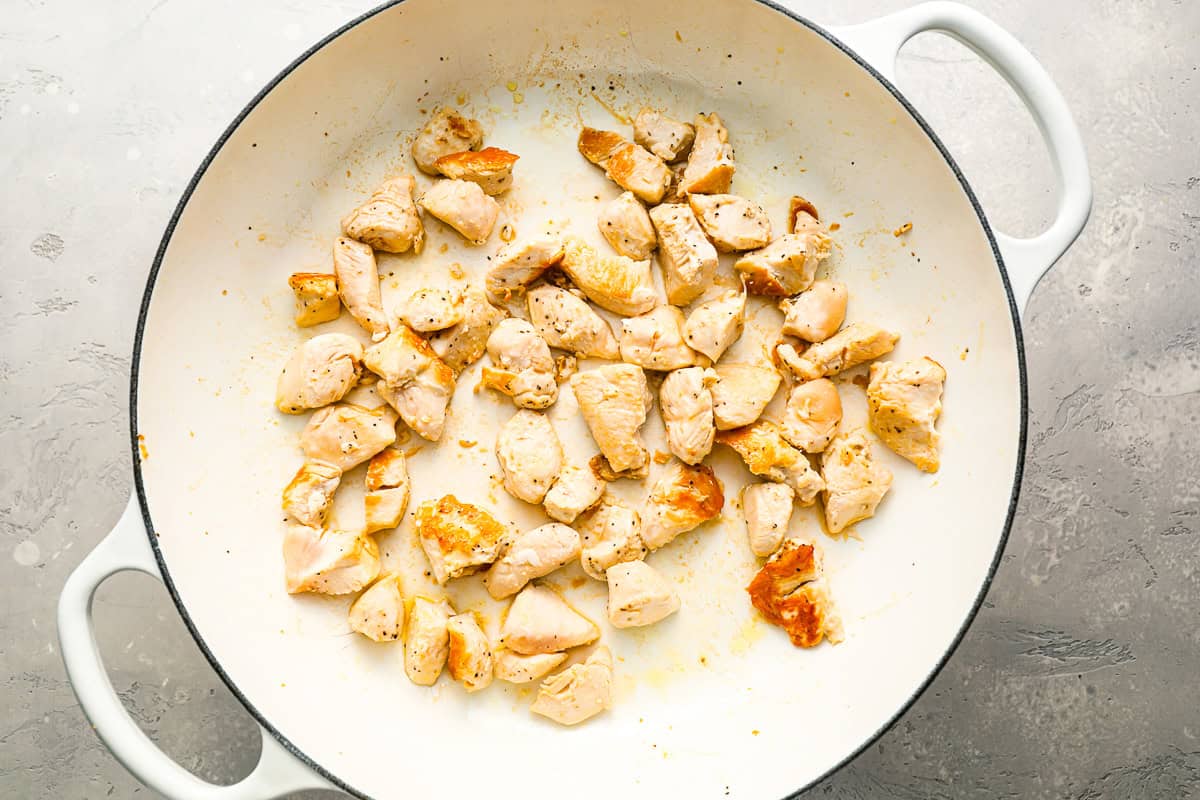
(1079, 678)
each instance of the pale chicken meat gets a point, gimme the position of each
(328, 562)
(687, 412)
(429, 309)
(767, 453)
(346, 435)
(791, 591)
(682, 498)
(733, 223)
(463, 206)
(491, 168)
(319, 372)
(612, 534)
(628, 165)
(378, 613)
(853, 345)
(414, 381)
(317, 298)
(530, 455)
(387, 490)
(529, 555)
(458, 538)
(469, 656)
(540, 621)
(615, 283)
(710, 166)
(667, 138)
(855, 482)
(816, 313)
(812, 415)
(579, 692)
(309, 496)
(786, 266)
(767, 508)
(803, 217)
(574, 491)
(626, 226)
(713, 326)
(741, 392)
(568, 323)
(904, 400)
(358, 285)
(516, 668)
(464, 344)
(638, 595)
(427, 643)
(445, 133)
(524, 368)
(688, 259)
(519, 264)
(388, 220)
(614, 401)
(654, 340)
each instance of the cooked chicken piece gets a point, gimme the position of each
(428, 641)
(675, 192)
(328, 562)
(638, 595)
(786, 266)
(346, 435)
(358, 284)
(791, 591)
(682, 498)
(516, 668)
(530, 455)
(816, 313)
(458, 538)
(854, 481)
(490, 167)
(687, 258)
(627, 227)
(667, 138)
(611, 535)
(308, 497)
(603, 470)
(470, 655)
(319, 372)
(766, 453)
(616, 283)
(567, 322)
(803, 217)
(463, 206)
(579, 692)
(687, 411)
(654, 340)
(317, 298)
(445, 133)
(741, 393)
(710, 166)
(530, 555)
(767, 508)
(388, 221)
(626, 164)
(386, 499)
(713, 326)
(433, 309)
(576, 490)
(540, 621)
(378, 613)
(524, 368)
(464, 344)
(813, 412)
(733, 223)
(904, 400)
(849, 347)
(415, 382)
(614, 401)
(519, 264)
(400, 357)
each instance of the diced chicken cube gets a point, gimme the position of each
(767, 508)
(626, 164)
(625, 224)
(853, 345)
(490, 167)
(524, 368)
(766, 453)
(387, 486)
(346, 435)
(328, 562)
(616, 283)
(904, 400)
(611, 535)
(464, 344)
(427, 644)
(599, 146)
(654, 340)
(378, 613)
(415, 382)
(710, 166)
(463, 206)
(786, 266)
(675, 192)
(575, 491)
(687, 412)
(445, 133)
(682, 498)
(458, 538)
(803, 217)
(713, 326)
(358, 284)
(540, 621)
(687, 257)
(530, 455)
(667, 138)
(816, 313)
(732, 223)
(568, 323)
(854, 481)
(388, 221)
(791, 591)
(531, 555)
(317, 298)
(814, 410)
(519, 264)
(741, 392)
(579, 692)
(516, 668)
(614, 401)
(470, 654)
(638, 595)
(430, 309)
(308, 497)
(319, 372)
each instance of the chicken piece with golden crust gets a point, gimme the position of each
(854, 481)
(611, 535)
(387, 487)
(803, 217)
(429, 309)
(683, 498)
(579, 692)
(415, 382)
(463, 206)
(328, 562)
(388, 220)
(446, 132)
(458, 538)
(615, 283)
(346, 435)
(784, 267)
(904, 400)
(626, 226)
(568, 323)
(319, 372)
(614, 401)
(529, 555)
(427, 644)
(516, 668)
(733, 223)
(767, 508)
(470, 653)
(464, 344)
(530, 455)
(519, 264)
(816, 313)
(654, 340)
(687, 257)
(791, 591)
(524, 367)
(814, 410)
(713, 326)
(628, 165)
(358, 285)
(378, 613)
(308, 497)
(767, 454)
(741, 392)
(667, 138)
(686, 406)
(540, 621)
(853, 345)
(490, 167)
(710, 166)
(575, 491)
(317, 298)
(638, 595)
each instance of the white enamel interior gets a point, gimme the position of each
(711, 702)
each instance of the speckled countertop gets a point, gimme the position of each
(1079, 677)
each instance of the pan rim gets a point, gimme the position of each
(202, 170)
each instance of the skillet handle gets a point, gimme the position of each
(879, 41)
(127, 548)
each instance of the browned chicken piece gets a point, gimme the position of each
(791, 591)
(611, 535)
(445, 133)
(308, 497)
(516, 668)
(682, 498)
(317, 298)
(389, 220)
(358, 284)
(786, 266)
(387, 485)
(599, 146)
(458, 538)
(427, 644)
(854, 481)
(803, 217)
(616, 283)
(490, 167)
(540, 621)
(816, 313)
(814, 410)
(319, 372)
(767, 508)
(713, 326)
(638, 595)
(464, 344)
(378, 613)
(579, 692)
(567, 322)
(741, 392)
(530, 455)
(470, 654)
(654, 340)
(687, 257)
(667, 138)
(429, 309)
(463, 206)
(346, 435)
(524, 367)
(415, 381)
(626, 226)
(710, 166)
(328, 562)
(575, 491)
(675, 192)
(614, 401)
(732, 223)
(519, 264)
(529, 555)
(904, 400)
(686, 405)
(853, 345)
(630, 166)
(768, 454)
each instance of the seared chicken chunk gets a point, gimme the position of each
(358, 284)
(791, 591)
(854, 481)
(638, 595)
(675, 192)
(569, 323)
(625, 224)
(904, 400)
(458, 538)
(463, 344)
(849, 347)
(687, 411)
(768, 454)
(470, 654)
(328, 562)
(530, 455)
(519, 264)
(516, 668)
(813, 412)
(682, 498)
(713, 326)
(378, 613)
(428, 641)
(667, 138)
(433, 309)
(687, 257)
(616, 283)
(710, 166)
(816, 313)
(490, 167)
(786, 266)
(387, 486)
(733, 223)
(346, 435)
(540, 621)
(531, 555)
(445, 133)
(576, 490)
(614, 401)
(611, 535)
(741, 392)
(579, 692)
(767, 508)
(317, 298)
(308, 497)
(654, 340)
(414, 380)
(463, 206)
(626, 164)
(803, 217)
(388, 221)
(524, 368)
(319, 372)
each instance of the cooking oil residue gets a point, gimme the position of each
(750, 632)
